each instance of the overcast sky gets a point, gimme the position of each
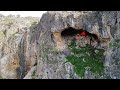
(23, 13)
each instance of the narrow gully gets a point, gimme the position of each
(21, 70)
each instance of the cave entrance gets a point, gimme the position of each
(69, 32)
(67, 35)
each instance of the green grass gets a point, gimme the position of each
(86, 56)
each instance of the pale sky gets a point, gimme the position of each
(23, 13)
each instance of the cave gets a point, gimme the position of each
(69, 34)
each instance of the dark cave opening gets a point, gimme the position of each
(70, 32)
(79, 36)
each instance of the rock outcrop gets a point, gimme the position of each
(17, 53)
(33, 49)
(52, 45)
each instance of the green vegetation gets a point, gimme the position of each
(86, 57)
(114, 43)
(8, 19)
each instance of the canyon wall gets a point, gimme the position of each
(36, 49)
(17, 52)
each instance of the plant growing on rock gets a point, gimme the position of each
(84, 57)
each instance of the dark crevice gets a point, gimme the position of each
(21, 69)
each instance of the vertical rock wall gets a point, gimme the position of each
(104, 24)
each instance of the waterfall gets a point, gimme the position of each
(21, 70)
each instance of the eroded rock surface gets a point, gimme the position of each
(33, 49)
(16, 56)
(52, 47)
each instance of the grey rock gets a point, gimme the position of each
(104, 24)
(44, 49)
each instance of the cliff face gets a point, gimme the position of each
(30, 48)
(53, 43)
(17, 53)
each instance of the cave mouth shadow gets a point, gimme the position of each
(72, 32)
(69, 33)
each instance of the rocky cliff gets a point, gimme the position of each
(33, 49)
(17, 53)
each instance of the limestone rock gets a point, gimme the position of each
(52, 51)
(36, 49)
(8, 66)
(30, 74)
(15, 36)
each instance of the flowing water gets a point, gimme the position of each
(21, 60)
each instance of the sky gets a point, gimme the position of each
(23, 13)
